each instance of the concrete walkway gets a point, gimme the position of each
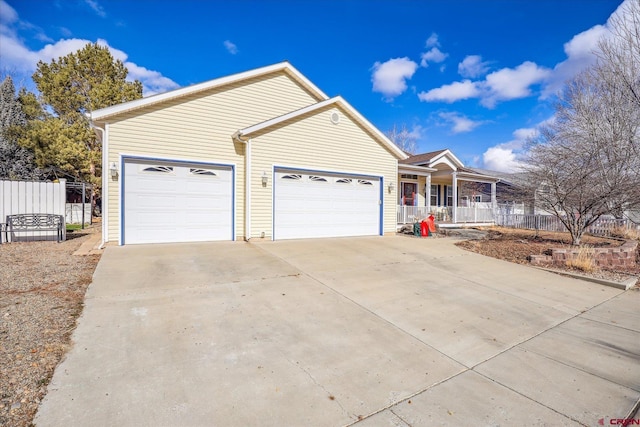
(366, 331)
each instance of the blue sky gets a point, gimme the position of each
(475, 76)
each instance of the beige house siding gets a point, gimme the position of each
(314, 142)
(200, 128)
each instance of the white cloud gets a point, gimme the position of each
(513, 83)
(501, 85)
(432, 41)
(21, 61)
(472, 66)
(417, 132)
(8, 15)
(433, 55)
(505, 157)
(580, 55)
(95, 6)
(231, 47)
(460, 122)
(455, 91)
(153, 82)
(389, 78)
(500, 159)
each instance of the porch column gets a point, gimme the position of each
(454, 193)
(427, 193)
(494, 200)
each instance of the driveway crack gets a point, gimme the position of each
(329, 394)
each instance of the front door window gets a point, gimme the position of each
(409, 191)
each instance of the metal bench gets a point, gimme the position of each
(23, 223)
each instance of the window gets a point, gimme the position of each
(317, 179)
(364, 182)
(161, 169)
(449, 191)
(294, 177)
(344, 181)
(206, 172)
(435, 189)
(477, 198)
(406, 176)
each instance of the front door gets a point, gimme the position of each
(409, 193)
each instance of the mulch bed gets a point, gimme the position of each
(42, 288)
(517, 245)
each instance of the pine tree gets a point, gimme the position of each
(16, 162)
(72, 87)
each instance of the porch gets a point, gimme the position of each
(438, 183)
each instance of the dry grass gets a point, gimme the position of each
(584, 261)
(626, 233)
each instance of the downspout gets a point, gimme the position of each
(105, 189)
(247, 184)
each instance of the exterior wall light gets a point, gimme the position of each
(113, 169)
(265, 179)
(390, 186)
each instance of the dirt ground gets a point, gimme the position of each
(517, 245)
(42, 288)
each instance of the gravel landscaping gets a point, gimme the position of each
(42, 288)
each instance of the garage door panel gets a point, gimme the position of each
(155, 201)
(167, 202)
(325, 205)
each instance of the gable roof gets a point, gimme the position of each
(338, 101)
(284, 66)
(432, 157)
(423, 158)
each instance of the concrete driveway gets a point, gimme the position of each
(374, 331)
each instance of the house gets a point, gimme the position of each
(259, 154)
(438, 182)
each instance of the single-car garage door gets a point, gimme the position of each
(177, 202)
(309, 204)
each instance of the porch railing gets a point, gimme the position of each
(475, 214)
(411, 214)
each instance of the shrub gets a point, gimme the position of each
(583, 260)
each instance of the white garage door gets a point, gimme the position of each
(177, 202)
(309, 204)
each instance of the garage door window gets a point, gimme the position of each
(202, 172)
(317, 179)
(160, 169)
(344, 181)
(364, 182)
(294, 177)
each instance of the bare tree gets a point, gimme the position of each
(586, 163)
(403, 138)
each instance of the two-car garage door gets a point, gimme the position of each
(167, 202)
(176, 202)
(316, 204)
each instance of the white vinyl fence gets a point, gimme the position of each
(29, 197)
(73, 213)
(602, 227)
